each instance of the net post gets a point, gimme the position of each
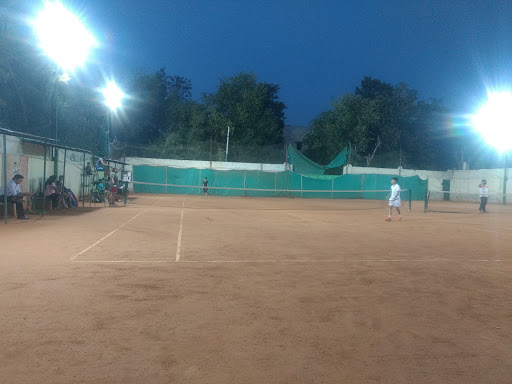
(427, 195)
(301, 186)
(410, 200)
(275, 183)
(199, 185)
(245, 184)
(332, 189)
(166, 187)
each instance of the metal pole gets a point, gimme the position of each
(505, 183)
(166, 187)
(63, 179)
(125, 192)
(275, 184)
(211, 150)
(332, 189)
(289, 184)
(199, 190)
(301, 186)
(109, 118)
(5, 177)
(227, 145)
(286, 156)
(44, 181)
(56, 123)
(84, 175)
(245, 184)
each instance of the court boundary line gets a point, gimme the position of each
(305, 218)
(270, 261)
(110, 234)
(178, 246)
(120, 261)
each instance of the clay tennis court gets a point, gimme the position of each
(177, 289)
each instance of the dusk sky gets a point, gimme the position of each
(315, 50)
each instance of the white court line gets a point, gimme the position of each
(178, 247)
(286, 261)
(305, 218)
(119, 261)
(110, 234)
(316, 261)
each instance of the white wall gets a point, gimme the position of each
(216, 165)
(463, 184)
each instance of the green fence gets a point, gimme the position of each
(150, 179)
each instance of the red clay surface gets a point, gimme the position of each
(264, 291)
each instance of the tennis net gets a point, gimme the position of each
(143, 188)
(459, 202)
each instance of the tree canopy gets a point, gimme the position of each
(388, 121)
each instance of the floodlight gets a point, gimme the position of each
(62, 36)
(494, 120)
(113, 95)
(64, 78)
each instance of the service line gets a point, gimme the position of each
(111, 233)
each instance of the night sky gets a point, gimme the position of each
(315, 50)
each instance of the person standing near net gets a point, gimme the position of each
(484, 196)
(394, 198)
(205, 188)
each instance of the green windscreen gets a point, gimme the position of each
(189, 181)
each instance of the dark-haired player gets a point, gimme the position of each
(394, 198)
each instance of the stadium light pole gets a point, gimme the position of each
(64, 38)
(113, 100)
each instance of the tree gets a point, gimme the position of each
(252, 109)
(386, 125)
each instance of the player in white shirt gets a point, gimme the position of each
(394, 199)
(484, 196)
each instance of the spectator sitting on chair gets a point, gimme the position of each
(51, 191)
(15, 196)
(101, 165)
(65, 192)
(102, 188)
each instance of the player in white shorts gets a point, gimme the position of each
(394, 199)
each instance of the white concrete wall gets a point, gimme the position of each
(217, 165)
(435, 178)
(463, 184)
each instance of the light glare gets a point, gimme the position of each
(494, 121)
(113, 95)
(62, 36)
